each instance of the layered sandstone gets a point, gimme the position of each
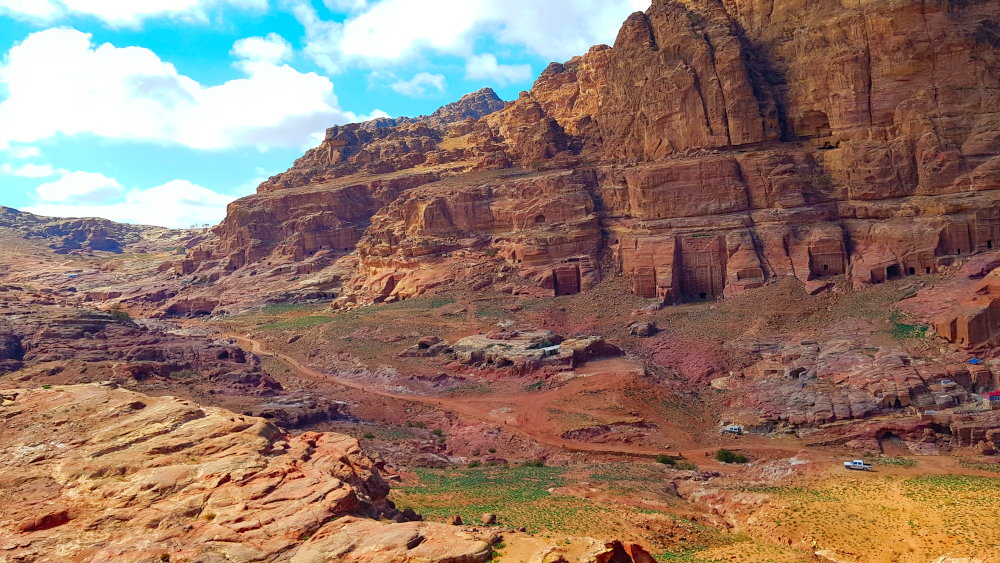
(95, 473)
(718, 144)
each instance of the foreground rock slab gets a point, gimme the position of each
(97, 473)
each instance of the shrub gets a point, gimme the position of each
(729, 456)
(685, 466)
(369, 436)
(474, 464)
(437, 432)
(533, 463)
(118, 314)
(184, 374)
(492, 450)
(666, 459)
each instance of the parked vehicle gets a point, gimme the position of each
(858, 465)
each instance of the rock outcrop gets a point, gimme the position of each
(93, 234)
(95, 473)
(718, 144)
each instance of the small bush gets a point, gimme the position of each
(369, 436)
(533, 463)
(438, 432)
(729, 456)
(416, 425)
(685, 466)
(474, 464)
(184, 374)
(492, 450)
(666, 459)
(118, 314)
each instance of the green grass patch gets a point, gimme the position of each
(299, 323)
(517, 495)
(893, 461)
(904, 331)
(953, 492)
(993, 467)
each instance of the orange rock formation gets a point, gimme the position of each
(716, 145)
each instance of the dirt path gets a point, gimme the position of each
(524, 413)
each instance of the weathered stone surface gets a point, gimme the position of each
(119, 476)
(528, 350)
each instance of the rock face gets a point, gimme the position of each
(718, 144)
(52, 345)
(119, 476)
(91, 234)
(528, 350)
(112, 348)
(965, 311)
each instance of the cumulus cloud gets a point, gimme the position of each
(419, 85)
(24, 153)
(271, 48)
(32, 170)
(391, 31)
(178, 203)
(122, 13)
(59, 83)
(79, 187)
(486, 67)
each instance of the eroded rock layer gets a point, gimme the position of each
(716, 145)
(95, 473)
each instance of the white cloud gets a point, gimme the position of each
(341, 6)
(321, 37)
(178, 203)
(122, 13)
(79, 187)
(58, 82)
(391, 31)
(24, 153)
(486, 67)
(419, 85)
(272, 48)
(32, 170)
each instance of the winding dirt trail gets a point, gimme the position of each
(524, 413)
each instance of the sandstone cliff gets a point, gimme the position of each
(716, 145)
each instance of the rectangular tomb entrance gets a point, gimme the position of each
(703, 266)
(566, 280)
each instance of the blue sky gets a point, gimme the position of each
(163, 111)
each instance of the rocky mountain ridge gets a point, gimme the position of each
(89, 234)
(717, 145)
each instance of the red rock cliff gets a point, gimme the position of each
(716, 145)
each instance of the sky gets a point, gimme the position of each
(162, 112)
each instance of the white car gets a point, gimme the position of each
(858, 465)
